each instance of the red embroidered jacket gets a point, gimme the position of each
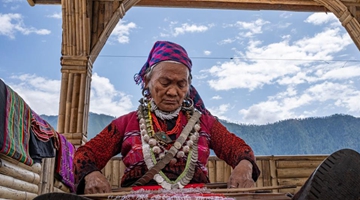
(123, 136)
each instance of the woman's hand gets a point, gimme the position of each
(95, 182)
(241, 177)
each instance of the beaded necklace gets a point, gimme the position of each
(175, 129)
(154, 150)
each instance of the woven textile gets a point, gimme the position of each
(64, 162)
(14, 142)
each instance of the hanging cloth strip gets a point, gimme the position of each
(171, 153)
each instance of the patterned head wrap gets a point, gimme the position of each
(163, 51)
(169, 51)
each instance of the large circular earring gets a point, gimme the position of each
(146, 93)
(188, 104)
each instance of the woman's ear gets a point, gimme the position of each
(146, 82)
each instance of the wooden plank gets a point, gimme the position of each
(294, 172)
(266, 172)
(212, 170)
(298, 164)
(219, 166)
(292, 181)
(115, 175)
(273, 174)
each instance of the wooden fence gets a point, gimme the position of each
(19, 181)
(275, 170)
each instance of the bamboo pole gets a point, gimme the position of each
(74, 103)
(60, 186)
(80, 114)
(68, 103)
(58, 190)
(8, 193)
(13, 183)
(86, 8)
(78, 33)
(95, 22)
(76, 136)
(72, 26)
(62, 104)
(17, 172)
(63, 35)
(47, 178)
(68, 27)
(36, 167)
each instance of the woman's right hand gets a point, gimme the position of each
(95, 182)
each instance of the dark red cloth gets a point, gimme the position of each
(123, 136)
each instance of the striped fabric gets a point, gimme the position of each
(14, 142)
(41, 128)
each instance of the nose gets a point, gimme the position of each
(171, 91)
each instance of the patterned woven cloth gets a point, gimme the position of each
(14, 141)
(64, 162)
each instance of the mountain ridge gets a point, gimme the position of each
(313, 135)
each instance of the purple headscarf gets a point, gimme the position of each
(163, 51)
(169, 51)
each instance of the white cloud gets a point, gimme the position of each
(226, 41)
(13, 22)
(220, 111)
(122, 31)
(293, 66)
(207, 53)
(175, 30)
(42, 95)
(56, 15)
(217, 97)
(105, 99)
(322, 18)
(253, 28)
(11, 1)
(321, 97)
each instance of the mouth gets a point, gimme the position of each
(169, 102)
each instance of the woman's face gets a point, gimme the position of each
(168, 85)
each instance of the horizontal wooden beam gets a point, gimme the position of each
(306, 6)
(289, 5)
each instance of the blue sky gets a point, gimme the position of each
(252, 67)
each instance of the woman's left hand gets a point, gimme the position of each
(241, 177)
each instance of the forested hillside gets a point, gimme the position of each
(289, 137)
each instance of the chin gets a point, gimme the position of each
(169, 108)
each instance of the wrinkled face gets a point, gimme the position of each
(168, 85)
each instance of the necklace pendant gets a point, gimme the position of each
(163, 137)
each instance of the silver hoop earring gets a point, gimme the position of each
(146, 93)
(188, 104)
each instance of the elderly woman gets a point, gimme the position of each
(171, 134)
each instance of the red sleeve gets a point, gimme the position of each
(94, 155)
(231, 148)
